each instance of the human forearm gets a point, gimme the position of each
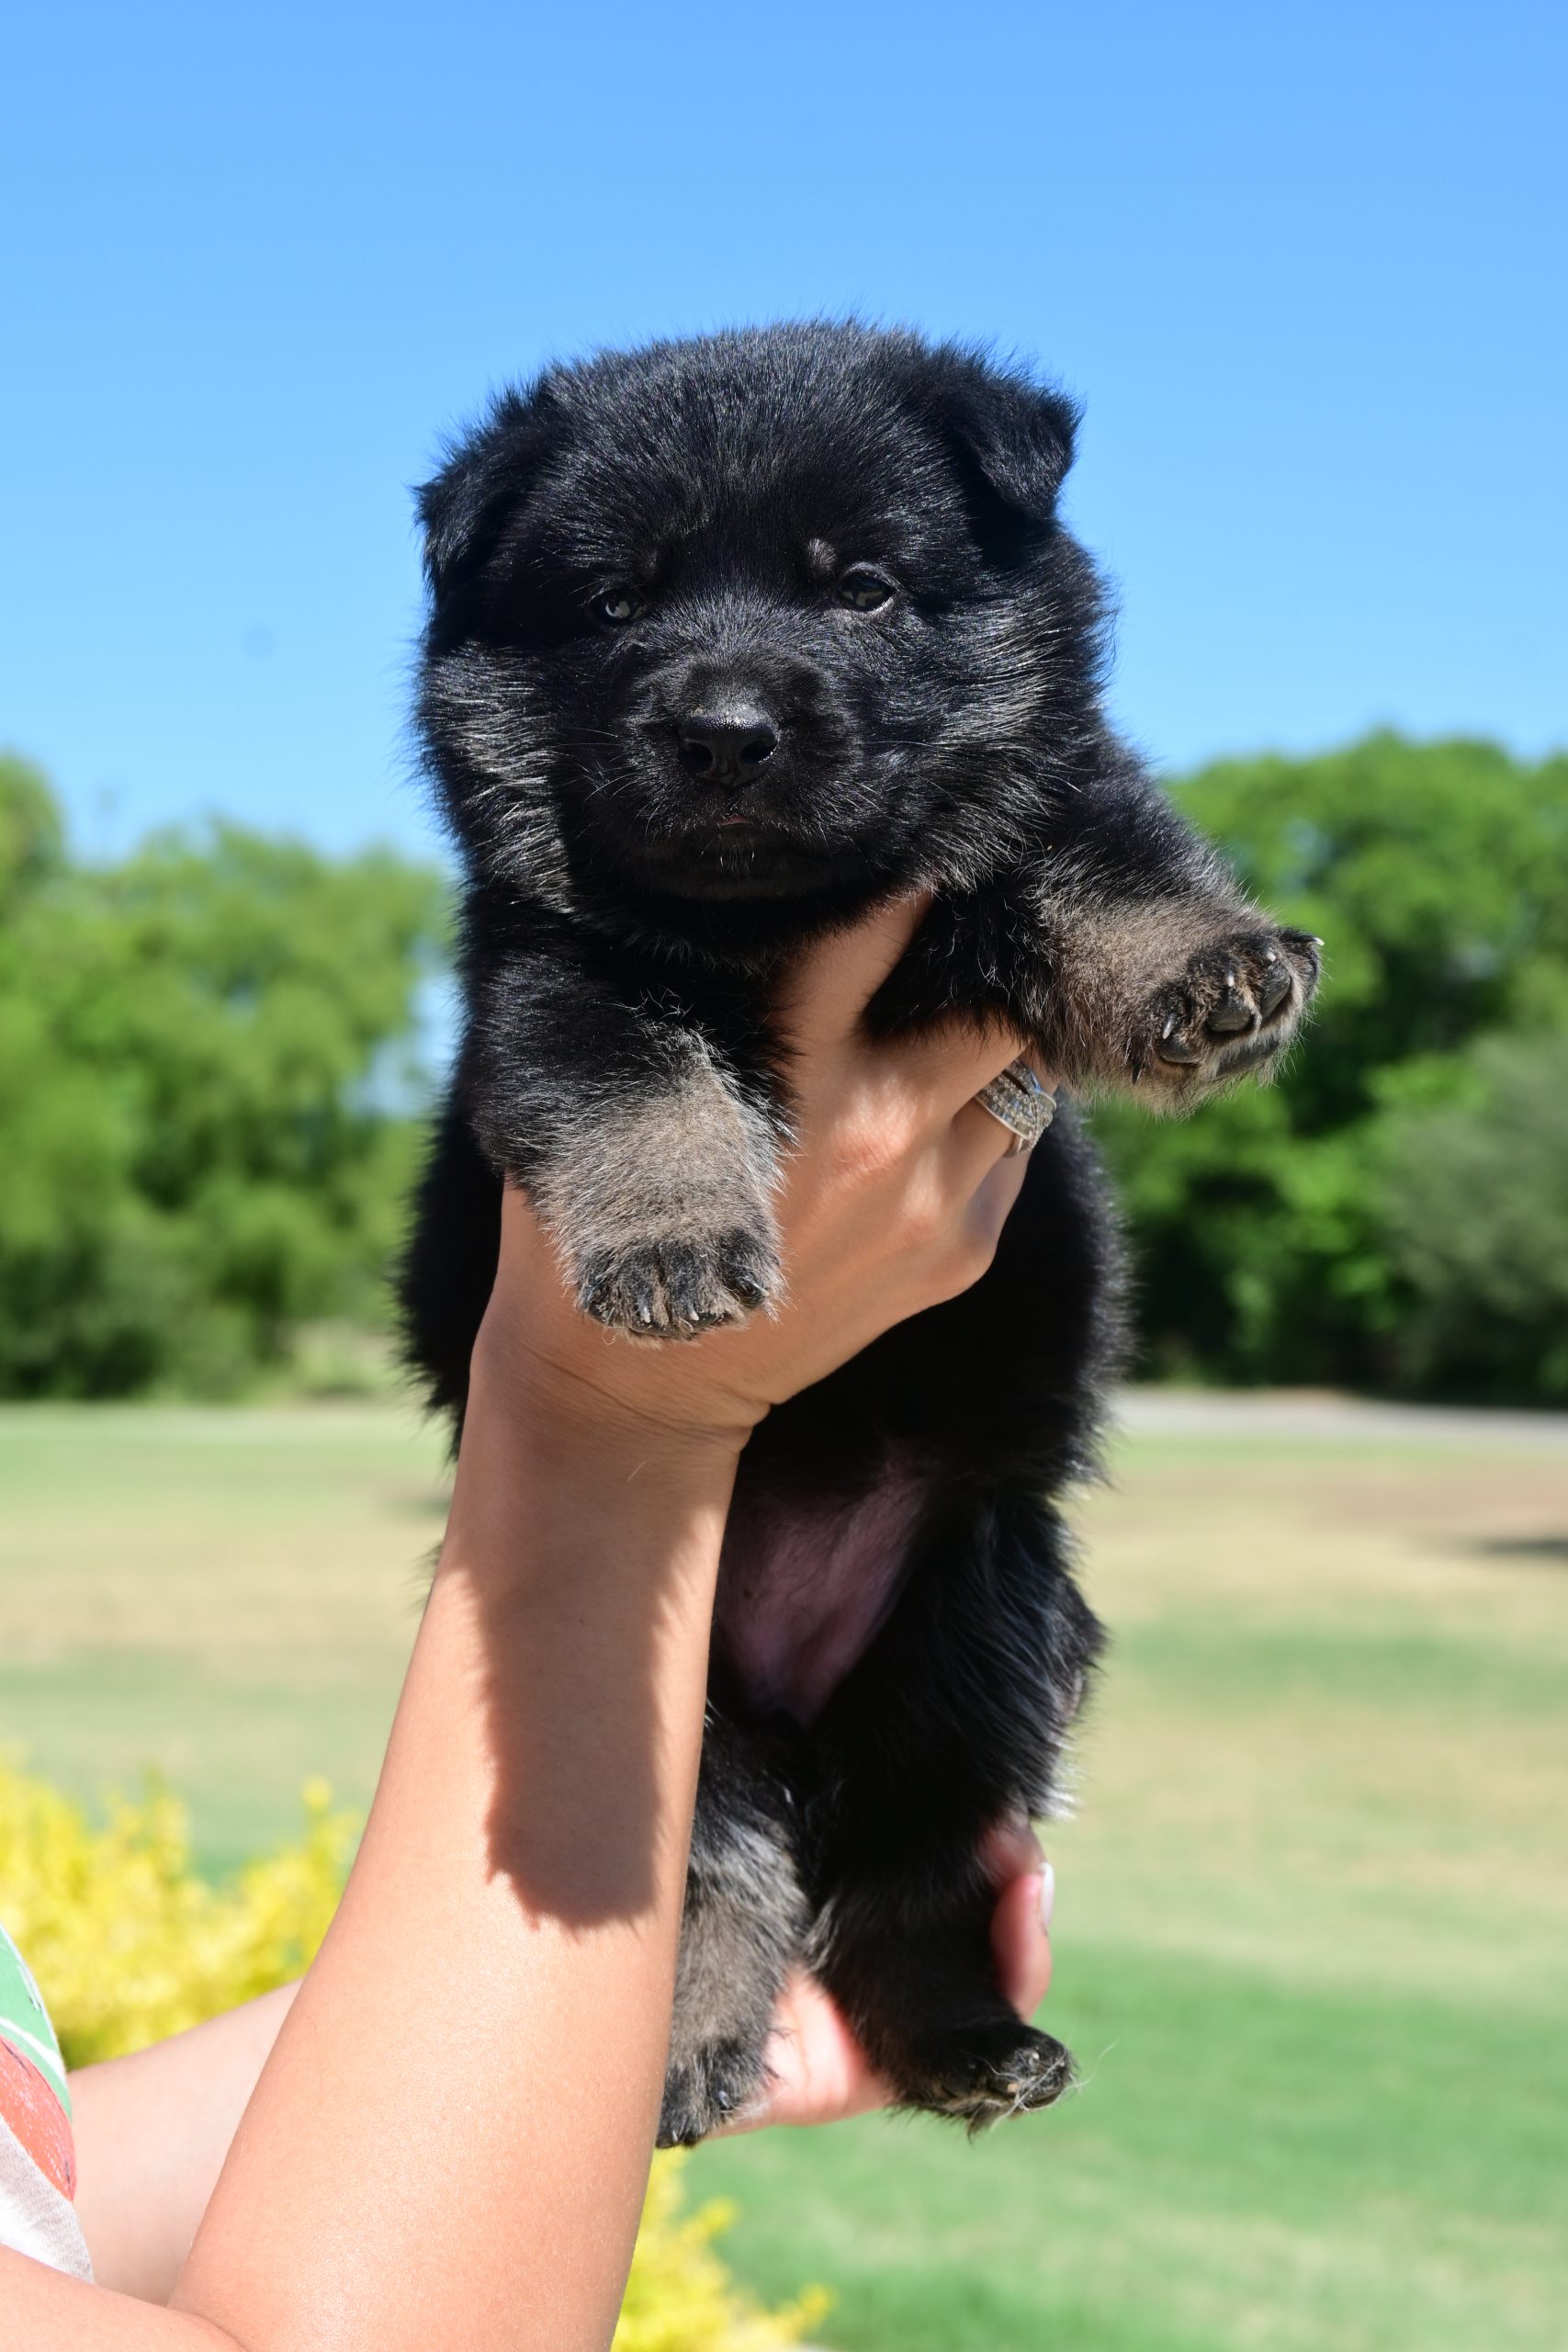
(152, 2132)
(448, 2144)
(475, 2061)
(450, 2140)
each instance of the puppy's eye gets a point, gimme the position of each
(864, 591)
(617, 606)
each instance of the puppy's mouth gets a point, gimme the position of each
(736, 852)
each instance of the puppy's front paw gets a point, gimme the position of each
(679, 1286)
(661, 1203)
(1238, 1001)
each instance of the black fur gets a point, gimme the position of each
(657, 604)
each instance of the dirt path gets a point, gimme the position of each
(1316, 1414)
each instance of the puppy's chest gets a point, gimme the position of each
(805, 1585)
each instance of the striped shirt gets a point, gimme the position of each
(38, 2158)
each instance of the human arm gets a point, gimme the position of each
(450, 2138)
(153, 2130)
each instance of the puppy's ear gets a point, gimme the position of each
(1013, 438)
(487, 475)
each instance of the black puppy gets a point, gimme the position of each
(729, 639)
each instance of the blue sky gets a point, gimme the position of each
(1305, 266)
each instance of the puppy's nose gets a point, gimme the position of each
(728, 746)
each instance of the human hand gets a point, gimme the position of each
(893, 1198)
(820, 2074)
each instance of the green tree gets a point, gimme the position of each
(202, 1144)
(1269, 1234)
(196, 1051)
(1473, 1166)
(32, 841)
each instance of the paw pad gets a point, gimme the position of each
(1238, 1002)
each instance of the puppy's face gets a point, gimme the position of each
(764, 623)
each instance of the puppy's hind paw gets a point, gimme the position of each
(679, 1288)
(984, 2071)
(704, 2093)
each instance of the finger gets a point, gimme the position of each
(817, 2073)
(952, 1063)
(1011, 1849)
(1015, 1862)
(1019, 1944)
(991, 1202)
(823, 996)
(976, 1140)
(965, 1231)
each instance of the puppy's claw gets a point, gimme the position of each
(678, 1288)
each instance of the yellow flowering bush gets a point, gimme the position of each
(679, 2298)
(129, 1943)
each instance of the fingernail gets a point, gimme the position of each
(1048, 1897)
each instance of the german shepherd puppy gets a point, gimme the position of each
(729, 639)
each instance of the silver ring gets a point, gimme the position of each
(1021, 1103)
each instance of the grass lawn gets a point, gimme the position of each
(227, 1596)
(1313, 1920)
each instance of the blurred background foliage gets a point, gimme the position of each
(212, 1086)
(135, 1944)
(1393, 1213)
(207, 1081)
